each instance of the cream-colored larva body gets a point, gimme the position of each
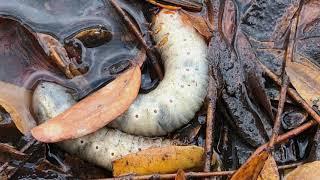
(101, 147)
(182, 91)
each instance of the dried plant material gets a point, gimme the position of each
(309, 171)
(198, 22)
(305, 77)
(269, 170)
(15, 101)
(93, 112)
(160, 160)
(181, 175)
(229, 20)
(55, 50)
(193, 5)
(154, 2)
(251, 169)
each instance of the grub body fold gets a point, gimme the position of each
(101, 147)
(182, 91)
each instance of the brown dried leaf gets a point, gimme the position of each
(93, 112)
(198, 22)
(305, 77)
(251, 169)
(269, 170)
(309, 171)
(160, 160)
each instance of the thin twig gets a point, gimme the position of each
(281, 103)
(172, 176)
(23, 149)
(284, 85)
(277, 122)
(138, 35)
(290, 166)
(193, 174)
(212, 98)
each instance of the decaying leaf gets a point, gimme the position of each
(93, 112)
(251, 169)
(309, 171)
(160, 160)
(14, 100)
(269, 170)
(305, 77)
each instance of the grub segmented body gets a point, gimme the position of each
(182, 91)
(101, 147)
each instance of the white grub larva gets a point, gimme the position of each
(101, 147)
(182, 91)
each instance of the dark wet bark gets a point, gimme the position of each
(247, 32)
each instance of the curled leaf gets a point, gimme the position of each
(159, 160)
(93, 112)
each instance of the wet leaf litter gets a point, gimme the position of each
(228, 89)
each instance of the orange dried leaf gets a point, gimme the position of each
(93, 112)
(305, 77)
(269, 170)
(16, 100)
(308, 171)
(251, 169)
(159, 160)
